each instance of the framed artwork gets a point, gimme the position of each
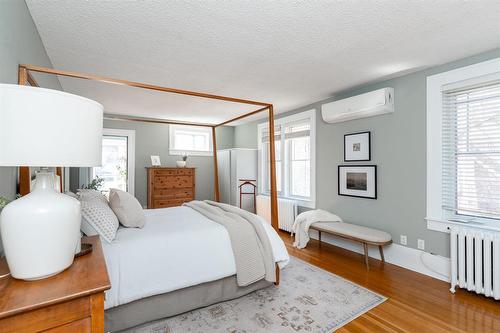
(358, 181)
(155, 160)
(357, 147)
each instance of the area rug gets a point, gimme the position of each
(308, 299)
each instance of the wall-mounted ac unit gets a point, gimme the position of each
(365, 105)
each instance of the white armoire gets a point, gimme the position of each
(235, 164)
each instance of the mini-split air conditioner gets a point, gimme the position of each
(365, 105)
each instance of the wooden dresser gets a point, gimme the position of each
(169, 187)
(71, 301)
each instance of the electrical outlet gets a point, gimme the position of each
(421, 244)
(403, 240)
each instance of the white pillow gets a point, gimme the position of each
(127, 208)
(98, 218)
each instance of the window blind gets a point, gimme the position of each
(298, 129)
(471, 150)
(297, 136)
(277, 134)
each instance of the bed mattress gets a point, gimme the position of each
(177, 248)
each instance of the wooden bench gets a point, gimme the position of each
(366, 236)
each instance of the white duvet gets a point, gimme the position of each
(177, 248)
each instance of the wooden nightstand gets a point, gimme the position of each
(72, 301)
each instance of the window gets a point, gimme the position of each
(191, 140)
(463, 146)
(295, 157)
(264, 163)
(117, 167)
(297, 139)
(471, 150)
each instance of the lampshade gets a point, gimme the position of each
(46, 128)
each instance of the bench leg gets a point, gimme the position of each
(319, 238)
(365, 247)
(381, 250)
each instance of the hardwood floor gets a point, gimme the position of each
(417, 303)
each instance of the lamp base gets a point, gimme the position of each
(42, 218)
(41, 277)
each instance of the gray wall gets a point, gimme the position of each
(245, 136)
(399, 151)
(153, 139)
(19, 44)
(225, 137)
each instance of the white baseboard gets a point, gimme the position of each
(419, 261)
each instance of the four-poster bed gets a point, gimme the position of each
(205, 272)
(25, 77)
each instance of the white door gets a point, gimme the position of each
(118, 160)
(245, 167)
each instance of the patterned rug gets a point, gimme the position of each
(308, 299)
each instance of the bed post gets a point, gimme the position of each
(24, 77)
(216, 167)
(274, 190)
(24, 171)
(272, 171)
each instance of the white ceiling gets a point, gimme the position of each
(290, 53)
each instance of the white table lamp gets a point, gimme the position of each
(45, 128)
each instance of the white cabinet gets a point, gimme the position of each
(233, 165)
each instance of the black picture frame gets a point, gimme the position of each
(369, 147)
(358, 166)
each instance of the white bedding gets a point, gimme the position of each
(177, 248)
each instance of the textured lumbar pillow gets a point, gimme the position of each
(98, 218)
(127, 208)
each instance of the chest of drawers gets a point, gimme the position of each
(169, 187)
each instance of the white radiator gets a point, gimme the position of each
(287, 210)
(475, 261)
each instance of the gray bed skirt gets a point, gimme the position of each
(176, 302)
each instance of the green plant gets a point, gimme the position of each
(122, 172)
(95, 184)
(5, 201)
(184, 157)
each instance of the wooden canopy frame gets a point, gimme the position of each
(25, 78)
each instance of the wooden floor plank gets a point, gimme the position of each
(417, 303)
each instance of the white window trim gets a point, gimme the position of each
(311, 114)
(435, 217)
(130, 134)
(177, 152)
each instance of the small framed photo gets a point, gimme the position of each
(358, 181)
(357, 147)
(155, 160)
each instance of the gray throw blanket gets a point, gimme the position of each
(251, 246)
